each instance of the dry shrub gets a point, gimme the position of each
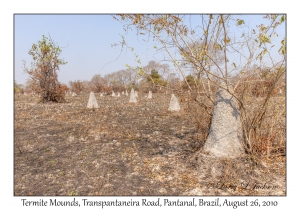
(200, 109)
(55, 95)
(263, 112)
(77, 86)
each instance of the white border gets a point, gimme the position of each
(8, 8)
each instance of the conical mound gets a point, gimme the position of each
(225, 137)
(113, 94)
(118, 94)
(132, 96)
(126, 93)
(92, 103)
(150, 94)
(174, 104)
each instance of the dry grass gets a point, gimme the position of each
(127, 149)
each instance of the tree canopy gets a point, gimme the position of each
(43, 70)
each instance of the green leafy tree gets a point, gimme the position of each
(17, 87)
(156, 79)
(191, 81)
(43, 70)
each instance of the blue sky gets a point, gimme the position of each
(86, 43)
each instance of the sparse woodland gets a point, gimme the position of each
(122, 148)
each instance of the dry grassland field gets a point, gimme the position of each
(129, 149)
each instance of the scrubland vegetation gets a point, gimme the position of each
(122, 148)
(129, 149)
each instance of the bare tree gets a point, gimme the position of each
(98, 83)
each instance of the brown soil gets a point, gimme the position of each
(127, 149)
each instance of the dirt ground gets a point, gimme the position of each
(127, 149)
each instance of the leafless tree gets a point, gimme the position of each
(98, 83)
